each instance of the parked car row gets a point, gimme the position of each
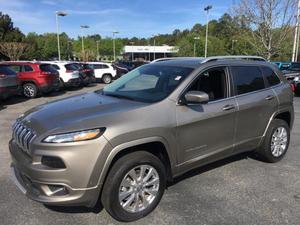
(33, 78)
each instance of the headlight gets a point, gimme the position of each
(74, 136)
(296, 79)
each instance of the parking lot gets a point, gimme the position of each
(237, 190)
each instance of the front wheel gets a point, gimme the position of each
(276, 141)
(30, 90)
(134, 186)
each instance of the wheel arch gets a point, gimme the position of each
(155, 145)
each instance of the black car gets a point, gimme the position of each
(9, 82)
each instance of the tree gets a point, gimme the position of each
(13, 50)
(270, 22)
(8, 32)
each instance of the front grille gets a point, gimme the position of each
(23, 136)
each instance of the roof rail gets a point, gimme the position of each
(233, 57)
(174, 58)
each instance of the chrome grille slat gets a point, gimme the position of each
(23, 136)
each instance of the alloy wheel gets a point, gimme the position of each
(279, 141)
(139, 188)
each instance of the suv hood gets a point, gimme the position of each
(84, 111)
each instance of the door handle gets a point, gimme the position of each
(269, 97)
(228, 107)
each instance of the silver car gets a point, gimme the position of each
(123, 143)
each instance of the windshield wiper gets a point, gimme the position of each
(119, 96)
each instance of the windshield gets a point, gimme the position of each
(149, 83)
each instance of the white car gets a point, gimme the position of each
(103, 71)
(68, 73)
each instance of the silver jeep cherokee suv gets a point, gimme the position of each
(123, 143)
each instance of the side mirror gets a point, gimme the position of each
(196, 97)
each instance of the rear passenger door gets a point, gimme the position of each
(256, 104)
(27, 72)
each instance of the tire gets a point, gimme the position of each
(107, 78)
(30, 90)
(119, 172)
(268, 153)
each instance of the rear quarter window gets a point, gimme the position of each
(270, 76)
(247, 79)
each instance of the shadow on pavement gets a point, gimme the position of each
(211, 166)
(76, 209)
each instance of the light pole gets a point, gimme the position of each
(132, 54)
(195, 38)
(154, 44)
(57, 14)
(82, 42)
(114, 43)
(207, 8)
(98, 55)
(232, 45)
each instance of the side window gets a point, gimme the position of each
(270, 76)
(27, 68)
(105, 66)
(97, 66)
(247, 79)
(15, 68)
(213, 82)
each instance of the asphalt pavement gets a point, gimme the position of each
(239, 190)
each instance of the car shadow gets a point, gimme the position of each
(76, 209)
(211, 166)
(13, 100)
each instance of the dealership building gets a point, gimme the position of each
(148, 53)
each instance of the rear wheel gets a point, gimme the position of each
(134, 186)
(30, 90)
(107, 78)
(276, 141)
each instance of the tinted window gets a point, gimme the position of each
(6, 70)
(104, 66)
(28, 68)
(47, 68)
(212, 82)
(97, 66)
(270, 76)
(247, 79)
(71, 66)
(55, 66)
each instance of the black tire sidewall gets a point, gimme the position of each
(33, 86)
(110, 194)
(266, 148)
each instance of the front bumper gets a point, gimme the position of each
(74, 185)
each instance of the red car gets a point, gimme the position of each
(35, 78)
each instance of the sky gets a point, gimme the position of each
(132, 18)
